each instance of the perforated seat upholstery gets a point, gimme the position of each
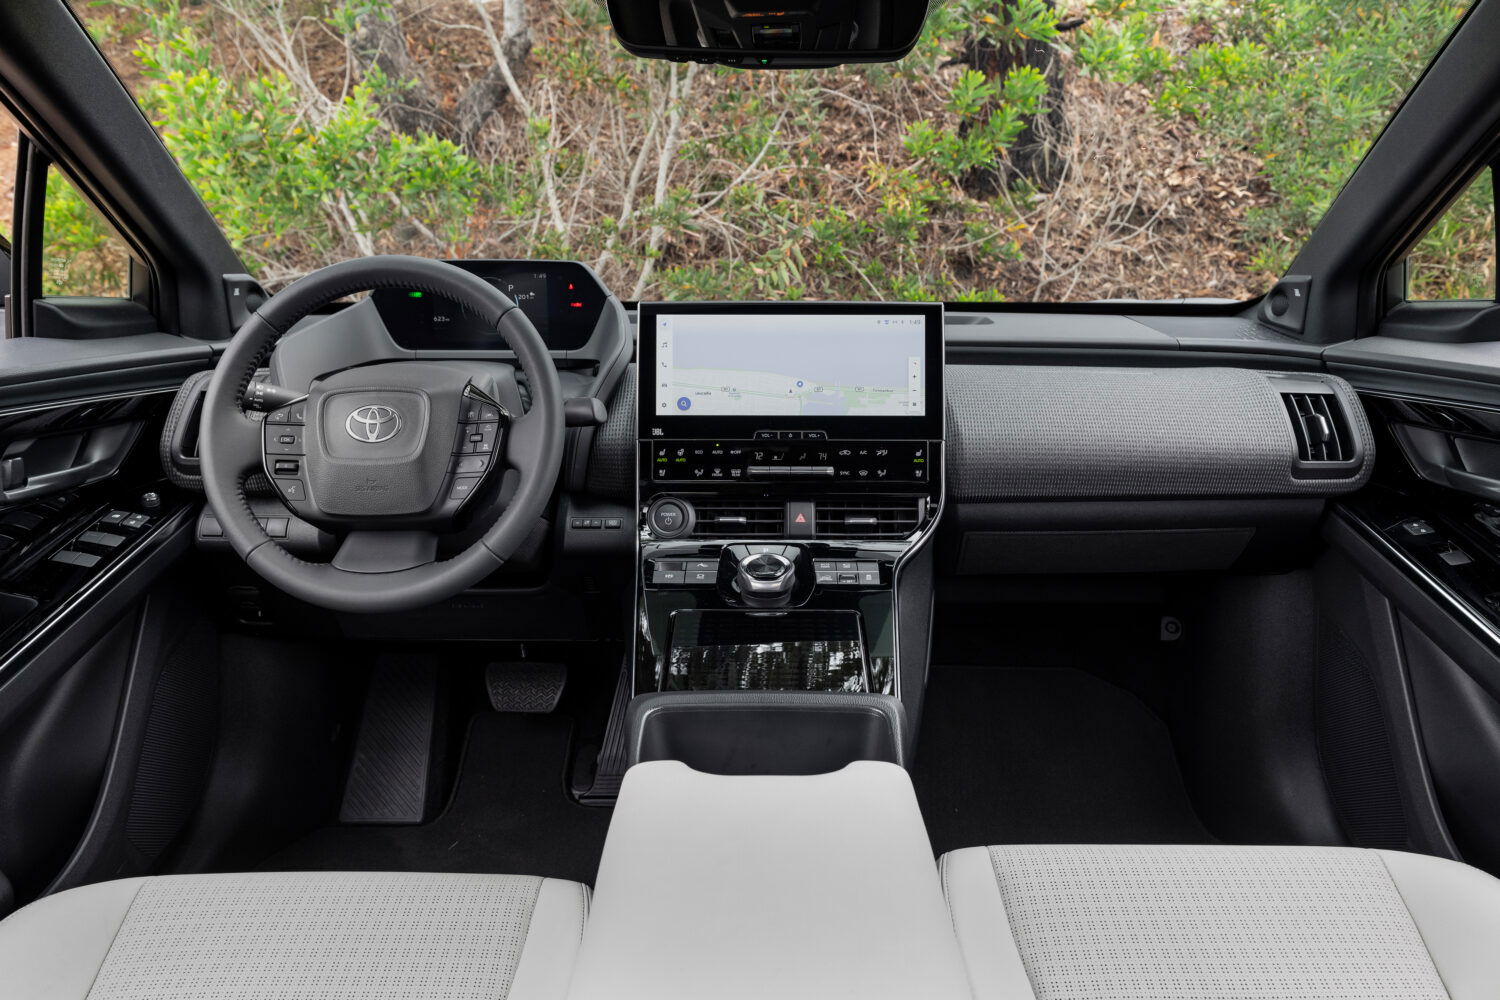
(324, 935)
(1291, 923)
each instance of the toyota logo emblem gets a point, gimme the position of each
(373, 424)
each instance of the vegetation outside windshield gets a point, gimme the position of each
(1026, 150)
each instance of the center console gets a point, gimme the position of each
(790, 462)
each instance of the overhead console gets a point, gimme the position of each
(789, 460)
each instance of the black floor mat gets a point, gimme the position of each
(1045, 755)
(510, 814)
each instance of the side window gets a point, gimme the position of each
(1455, 259)
(81, 254)
(10, 140)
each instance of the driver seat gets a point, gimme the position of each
(321, 935)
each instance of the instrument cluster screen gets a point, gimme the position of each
(562, 299)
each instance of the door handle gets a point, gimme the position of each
(52, 467)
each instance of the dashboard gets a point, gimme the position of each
(833, 435)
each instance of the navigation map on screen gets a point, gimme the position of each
(813, 365)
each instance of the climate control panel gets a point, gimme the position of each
(811, 459)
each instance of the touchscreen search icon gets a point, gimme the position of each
(684, 403)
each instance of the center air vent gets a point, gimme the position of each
(1319, 425)
(892, 518)
(739, 519)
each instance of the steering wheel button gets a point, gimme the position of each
(462, 487)
(488, 411)
(292, 489)
(285, 440)
(477, 439)
(471, 464)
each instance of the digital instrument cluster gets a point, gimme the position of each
(563, 299)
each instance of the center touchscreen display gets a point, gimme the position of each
(807, 365)
(796, 364)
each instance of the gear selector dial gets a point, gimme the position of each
(765, 579)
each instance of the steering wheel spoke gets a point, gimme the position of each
(239, 447)
(385, 551)
(526, 442)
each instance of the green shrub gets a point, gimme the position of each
(1305, 85)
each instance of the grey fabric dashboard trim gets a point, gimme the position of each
(1051, 432)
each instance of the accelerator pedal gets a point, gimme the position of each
(525, 686)
(393, 753)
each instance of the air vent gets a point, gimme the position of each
(1319, 426)
(739, 519)
(869, 518)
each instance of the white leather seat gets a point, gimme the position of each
(291, 934)
(1050, 922)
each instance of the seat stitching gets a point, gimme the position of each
(526, 938)
(108, 951)
(1412, 917)
(953, 922)
(1010, 924)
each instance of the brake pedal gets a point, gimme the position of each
(525, 686)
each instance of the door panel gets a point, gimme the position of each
(1425, 536)
(88, 526)
(54, 753)
(1462, 731)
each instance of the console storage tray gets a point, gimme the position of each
(765, 732)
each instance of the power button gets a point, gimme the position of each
(668, 518)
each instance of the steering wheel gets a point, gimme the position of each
(387, 454)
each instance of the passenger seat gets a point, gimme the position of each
(313, 935)
(1054, 922)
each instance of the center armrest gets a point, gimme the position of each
(768, 886)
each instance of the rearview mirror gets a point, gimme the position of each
(770, 34)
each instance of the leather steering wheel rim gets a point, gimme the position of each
(230, 450)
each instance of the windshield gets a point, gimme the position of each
(1024, 151)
